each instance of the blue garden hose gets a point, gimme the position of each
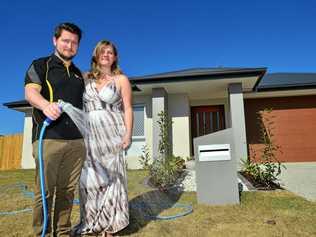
(46, 123)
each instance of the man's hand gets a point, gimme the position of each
(52, 111)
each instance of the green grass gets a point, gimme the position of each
(266, 213)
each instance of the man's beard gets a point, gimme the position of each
(65, 57)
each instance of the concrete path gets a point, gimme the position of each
(300, 178)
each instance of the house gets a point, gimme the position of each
(206, 100)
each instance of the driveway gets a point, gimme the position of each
(300, 178)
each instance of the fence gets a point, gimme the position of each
(11, 151)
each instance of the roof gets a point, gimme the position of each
(17, 104)
(287, 81)
(197, 74)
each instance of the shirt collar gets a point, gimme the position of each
(58, 60)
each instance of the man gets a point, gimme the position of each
(47, 80)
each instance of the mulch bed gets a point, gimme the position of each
(259, 185)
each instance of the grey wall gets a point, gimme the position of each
(236, 105)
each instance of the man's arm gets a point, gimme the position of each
(33, 84)
(34, 97)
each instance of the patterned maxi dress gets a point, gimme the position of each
(103, 184)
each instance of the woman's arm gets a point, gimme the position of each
(126, 92)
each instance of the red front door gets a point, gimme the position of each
(206, 119)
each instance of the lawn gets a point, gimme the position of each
(265, 213)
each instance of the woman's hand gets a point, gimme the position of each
(126, 141)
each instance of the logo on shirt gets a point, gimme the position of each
(79, 77)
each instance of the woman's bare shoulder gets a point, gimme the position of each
(123, 79)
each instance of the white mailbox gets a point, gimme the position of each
(216, 152)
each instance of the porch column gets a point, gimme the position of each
(27, 161)
(159, 103)
(237, 119)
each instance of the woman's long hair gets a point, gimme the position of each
(95, 71)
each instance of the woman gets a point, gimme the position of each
(109, 118)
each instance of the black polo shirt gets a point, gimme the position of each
(66, 83)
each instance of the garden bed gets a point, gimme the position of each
(259, 185)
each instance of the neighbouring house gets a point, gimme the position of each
(206, 100)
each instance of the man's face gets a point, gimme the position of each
(66, 45)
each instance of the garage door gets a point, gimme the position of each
(294, 126)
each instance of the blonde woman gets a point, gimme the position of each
(108, 106)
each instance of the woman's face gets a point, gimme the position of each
(106, 56)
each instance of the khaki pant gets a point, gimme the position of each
(62, 161)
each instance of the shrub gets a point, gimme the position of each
(164, 172)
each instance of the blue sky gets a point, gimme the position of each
(158, 36)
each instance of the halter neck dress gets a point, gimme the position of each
(103, 183)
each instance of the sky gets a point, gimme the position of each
(157, 36)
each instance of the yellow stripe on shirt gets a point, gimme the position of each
(34, 85)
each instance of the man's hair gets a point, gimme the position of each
(68, 27)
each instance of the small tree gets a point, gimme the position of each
(272, 166)
(164, 126)
(144, 159)
(266, 170)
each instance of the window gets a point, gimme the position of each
(139, 117)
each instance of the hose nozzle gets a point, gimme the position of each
(47, 121)
(62, 105)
